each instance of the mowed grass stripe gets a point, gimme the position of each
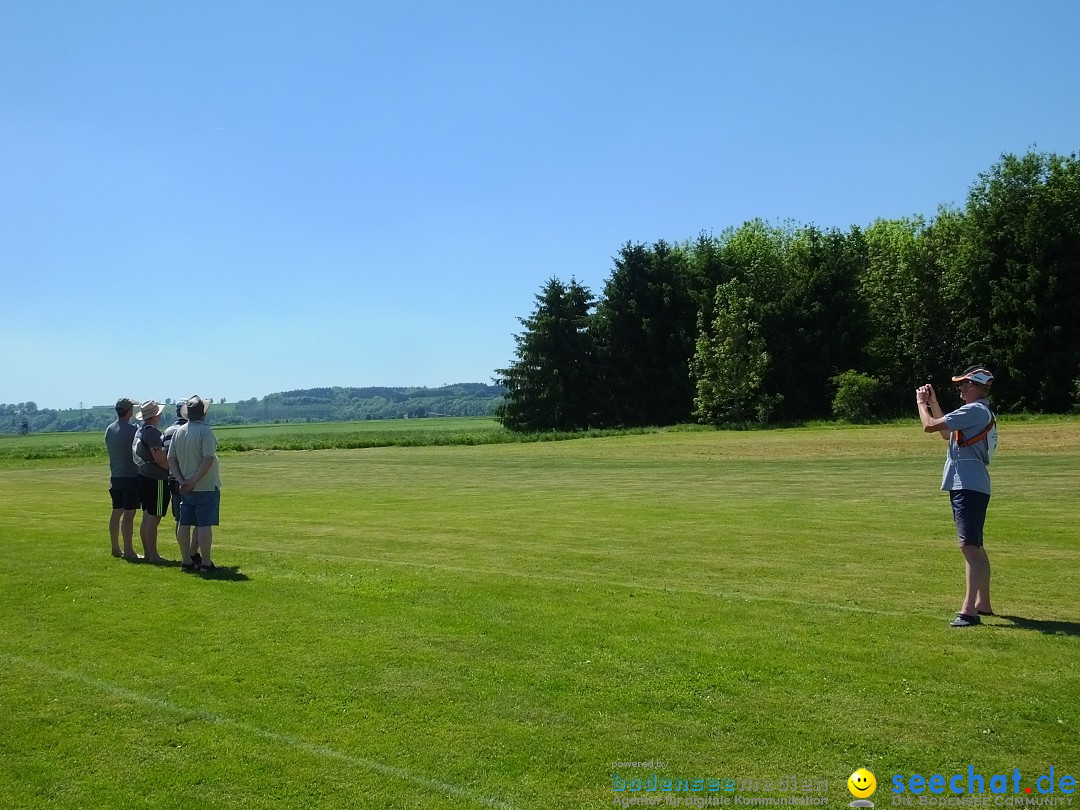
(284, 740)
(683, 527)
(349, 560)
(525, 615)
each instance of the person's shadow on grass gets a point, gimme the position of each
(1051, 628)
(225, 573)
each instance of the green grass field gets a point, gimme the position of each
(498, 625)
(291, 436)
(308, 436)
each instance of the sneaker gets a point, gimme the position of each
(965, 620)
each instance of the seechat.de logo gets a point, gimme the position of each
(998, 785)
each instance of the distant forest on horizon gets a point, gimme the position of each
(335, 404)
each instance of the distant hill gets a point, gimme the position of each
(352, 404)
(307, 405)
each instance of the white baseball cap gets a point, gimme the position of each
(977, 374)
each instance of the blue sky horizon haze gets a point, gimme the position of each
(241, 198)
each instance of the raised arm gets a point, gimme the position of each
(933, 420)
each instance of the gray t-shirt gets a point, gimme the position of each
(966, 467)
(118, 438)
(191, 443)
(146, 439)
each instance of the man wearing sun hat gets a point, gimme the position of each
(149, 451)
(194, 464)
(971, 431)
(123, 479)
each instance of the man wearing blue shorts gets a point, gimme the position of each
(971, 431)
(194, 464)
(123, 479)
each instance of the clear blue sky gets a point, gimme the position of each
(360, 193)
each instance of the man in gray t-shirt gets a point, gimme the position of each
(123, 479)
(194, 464)
(971, 433)
(149, 450)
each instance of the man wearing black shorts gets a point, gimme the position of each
(149, 452)
(123, 479)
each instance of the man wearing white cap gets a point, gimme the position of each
(149, 452)
(971, 431)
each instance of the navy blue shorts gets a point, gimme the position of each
(200, 508)
(125, 493)
(969, 515)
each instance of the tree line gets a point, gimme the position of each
(336, 404)
(772, 323)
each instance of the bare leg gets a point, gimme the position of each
(977, 580)
(205, 535)
(982, 586)
(127, 530)
(114, 531)
(148, 532)
(183, 539)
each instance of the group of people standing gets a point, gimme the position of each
(150, 468)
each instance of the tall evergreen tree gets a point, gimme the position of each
(708, 268)
(646, 325)
(817, 328)
(552, 383)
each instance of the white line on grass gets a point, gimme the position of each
(594, 582)
(270, 736)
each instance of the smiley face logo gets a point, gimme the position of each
(862, 784)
